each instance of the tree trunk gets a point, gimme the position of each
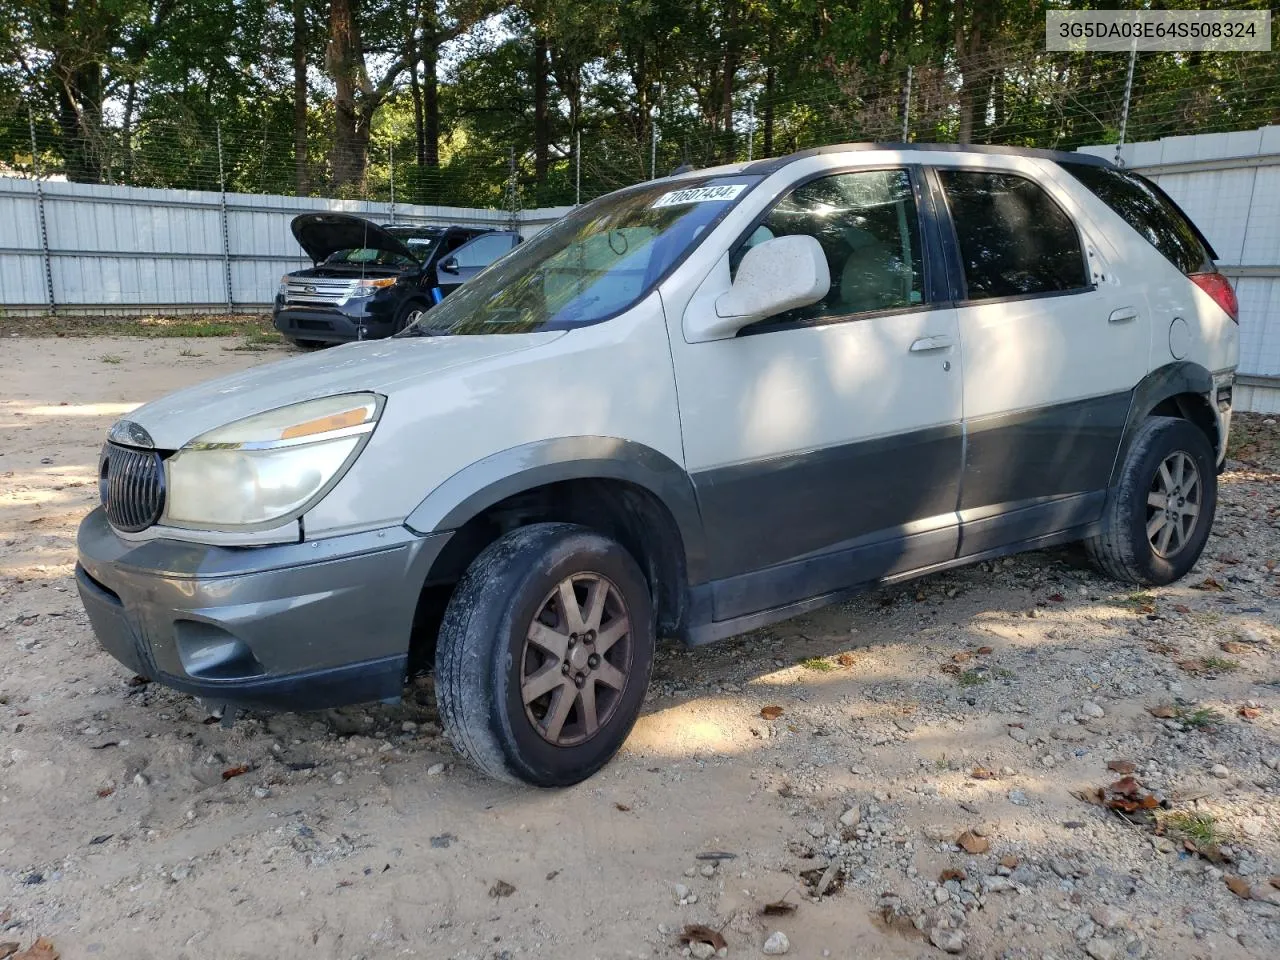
(731, 53)
(349, 156)
(130, 103)
(300, 97)
(770, 78)
(541, 121)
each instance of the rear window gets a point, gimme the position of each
(1147, 209)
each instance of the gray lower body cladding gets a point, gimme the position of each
(296, 626)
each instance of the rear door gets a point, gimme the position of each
(472, 257)
(1053, 347)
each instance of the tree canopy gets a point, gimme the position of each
(476, 102)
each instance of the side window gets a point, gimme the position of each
(483, 250)
(1014, 238)
(869, 229)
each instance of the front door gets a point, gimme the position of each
(1053, 347)
(825, 443)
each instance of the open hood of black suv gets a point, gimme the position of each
(321, 234)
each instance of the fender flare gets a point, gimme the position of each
(475, 488)
(1157, 386)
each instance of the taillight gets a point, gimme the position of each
(1219, 287)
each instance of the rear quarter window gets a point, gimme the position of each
(1148, 209)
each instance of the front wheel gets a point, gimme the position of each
(1158, 517)
(409, 314)
(544, 654)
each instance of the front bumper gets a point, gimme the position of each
(331, 326)
(295, 626)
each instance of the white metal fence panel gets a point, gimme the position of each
(132, 249)
(1229, 184)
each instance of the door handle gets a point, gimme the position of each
(1123, 315)
(925, 344)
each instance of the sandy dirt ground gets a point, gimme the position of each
(980, 706)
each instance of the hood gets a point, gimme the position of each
(377, 365)
(321, 234)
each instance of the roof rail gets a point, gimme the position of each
(1060, 156)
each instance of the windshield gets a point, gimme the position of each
(590, 265)
(419, 241)
(369, 257)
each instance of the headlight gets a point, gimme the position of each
(267, 467)
(283, 290)
(367, 288)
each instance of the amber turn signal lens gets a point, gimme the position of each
(335, 421)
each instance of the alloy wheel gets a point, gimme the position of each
(1173, 504)
(576, 659)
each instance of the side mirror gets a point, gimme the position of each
(449, 265)
(775, 276)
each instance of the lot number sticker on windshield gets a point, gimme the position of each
(699, 195)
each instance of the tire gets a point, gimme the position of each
(1124, 549)
(307, 344)
(408, 314)
(486, 659)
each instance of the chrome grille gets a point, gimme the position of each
(132, 487)
(318, 291)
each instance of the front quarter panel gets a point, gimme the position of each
(611, 379)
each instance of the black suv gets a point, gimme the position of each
(369, 280)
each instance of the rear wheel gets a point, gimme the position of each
(544, 654)
(1158, 518)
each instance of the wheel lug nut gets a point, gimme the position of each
(578, 681)
(564, 667)
(593, 661)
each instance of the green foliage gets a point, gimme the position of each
(461, 91)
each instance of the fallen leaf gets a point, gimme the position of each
(233, 772)
(1233, 646)
(1194, 665)
(1128, 786)
(846, 659)
(501, 889)
(697, 933)
(1121, 766)
(1250, 713)
(106, 792)
(1181, 608)
(1009, 861)
(1275, 881)
(986, 650)
(771, 712)
(8, 948)
(779, 908)
(982, 773)
(950, 668)
(100, 838)
(137, 680)
(1164, 711)
(972, 843)
(1239, 886)
(1057, 598)
(42, 949)
(1208, 583)
(952, 873)
(962, 657)
(622, 807)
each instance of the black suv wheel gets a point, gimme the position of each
(544, 654)
(1159, 516)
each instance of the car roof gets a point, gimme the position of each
(1060, 156)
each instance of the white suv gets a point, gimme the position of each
(689, 408)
